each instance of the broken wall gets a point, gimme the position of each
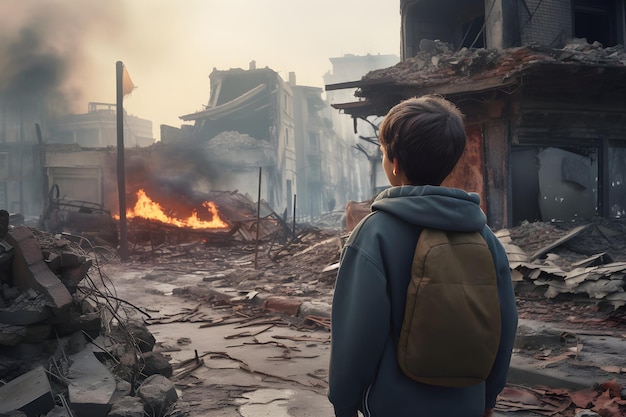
(577, 152)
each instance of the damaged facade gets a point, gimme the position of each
(27, 127)
(255, 122)
(541, 85)
(256, 105)
(258, 135)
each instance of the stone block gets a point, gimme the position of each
(53, 260)
(29, 393)
(40, 278)
(91, 385)
(71, 259)
(31, 271)
(156, 363)
(90, 324)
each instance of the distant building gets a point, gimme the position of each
(21, 187)
(322, 155)
(28, 130)
(98, 128)
(366, 171)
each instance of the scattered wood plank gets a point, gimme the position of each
(559, 242)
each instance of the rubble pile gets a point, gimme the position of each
(437, 63)
(582, 260)
(67, 348)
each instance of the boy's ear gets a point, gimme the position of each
(396, 166)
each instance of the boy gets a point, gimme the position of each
(421, 140)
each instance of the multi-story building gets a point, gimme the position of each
(256, 107)
(98, 128)
(21, 189)
(29, 128)
(282, 128)
(359, 134)
(322, 155)
(542, 86)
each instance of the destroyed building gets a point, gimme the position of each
(255, 105)
(258, 137)
(25, 130)
(542, 86)
(303, 168)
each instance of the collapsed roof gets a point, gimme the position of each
(437, 69)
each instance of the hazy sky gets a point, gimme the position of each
(170, 47)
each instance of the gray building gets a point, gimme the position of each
(361, 134)
(98, 128)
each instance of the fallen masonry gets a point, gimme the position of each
(67, 348)
(92, 335)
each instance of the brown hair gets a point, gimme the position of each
(426, 135)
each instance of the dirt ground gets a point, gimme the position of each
(305, 267)
(569, 335)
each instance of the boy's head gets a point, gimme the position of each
(426, 136)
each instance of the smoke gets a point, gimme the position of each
(46, 46)
(181, 190)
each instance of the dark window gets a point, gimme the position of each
(596, 20)
(474, 33)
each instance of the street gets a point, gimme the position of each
(259, 365)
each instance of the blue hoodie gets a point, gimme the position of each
(369, 302)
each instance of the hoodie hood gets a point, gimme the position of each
(433, 207)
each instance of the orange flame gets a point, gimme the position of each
(149, 209)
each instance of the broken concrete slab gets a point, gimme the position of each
(30, 393)
(91, 385)
(30, 271)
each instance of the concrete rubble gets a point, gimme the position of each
(67, 349)
(438, 64)
(80, 352)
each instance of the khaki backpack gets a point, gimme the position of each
(451, 328)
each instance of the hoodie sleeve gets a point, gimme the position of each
(360, 327)
(508, 316)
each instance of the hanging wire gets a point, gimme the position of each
(482, 29)
(530, 17)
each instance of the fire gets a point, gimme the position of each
(148, 209)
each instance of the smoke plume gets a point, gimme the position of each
(45, 47)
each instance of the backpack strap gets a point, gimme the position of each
(451, 328)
